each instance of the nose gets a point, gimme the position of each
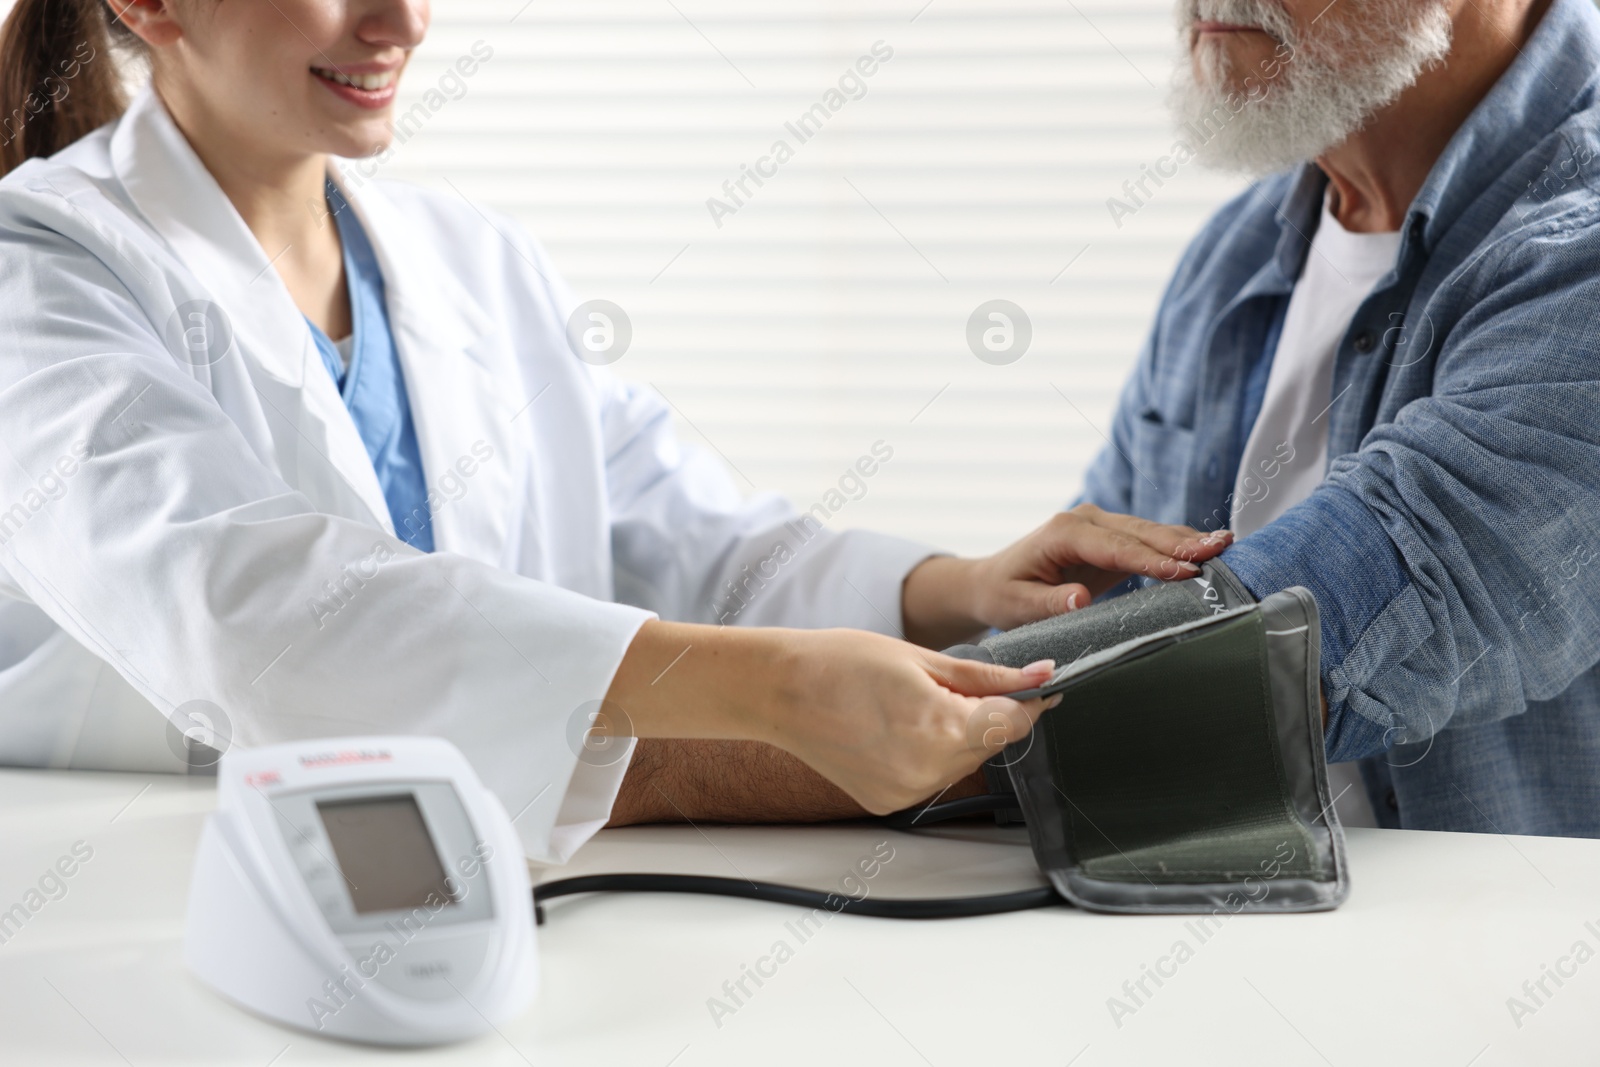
(395, 23)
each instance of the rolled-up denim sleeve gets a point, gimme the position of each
(1455, 556)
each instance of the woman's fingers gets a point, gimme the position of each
(1202, 547)
(1035, 600)
(989, 725)
(1075, 556)
(973, 678)
(1106, 546)
(1176, 542)
(993, 722)
(891, 724)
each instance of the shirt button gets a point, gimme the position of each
(1214, 469)
(1365, 341)
(1392, 801)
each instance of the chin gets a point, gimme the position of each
(1215, 68)
(1223, 87)
(367, 140)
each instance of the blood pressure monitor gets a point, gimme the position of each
(369, 889)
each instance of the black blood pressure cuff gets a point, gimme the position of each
(1184, 769)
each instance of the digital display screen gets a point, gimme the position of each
(387, 855)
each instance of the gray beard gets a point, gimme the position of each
(1335, 79)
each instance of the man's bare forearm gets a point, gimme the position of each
(734, 782)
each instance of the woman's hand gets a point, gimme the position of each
(1061, 566)
(892, 724)
(888, 723)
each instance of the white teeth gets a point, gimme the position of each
(368, 82)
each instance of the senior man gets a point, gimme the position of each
(1380, 365)
(1381, 368)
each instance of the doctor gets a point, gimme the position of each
(313, 457)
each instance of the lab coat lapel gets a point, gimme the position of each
(460, 398)
(317, 446)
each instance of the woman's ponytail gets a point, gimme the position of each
(58, 76)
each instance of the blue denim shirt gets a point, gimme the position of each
(1454, 547)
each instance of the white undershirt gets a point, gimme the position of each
(343, 347)
(1286, 456)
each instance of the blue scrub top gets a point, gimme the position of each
(374, 389)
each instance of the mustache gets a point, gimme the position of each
(1266, 15)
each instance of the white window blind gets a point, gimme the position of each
(829, 310)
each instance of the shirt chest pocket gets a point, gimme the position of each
(1161, 455)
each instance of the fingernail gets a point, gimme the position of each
(1072, 601)
(1190, 567)
(1041, 666)
(1055, 700)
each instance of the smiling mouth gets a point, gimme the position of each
(370, 83)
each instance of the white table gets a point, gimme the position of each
(1416, 969)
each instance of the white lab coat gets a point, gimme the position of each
(177, 530)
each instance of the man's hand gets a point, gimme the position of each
(1061, 566)
(677, 781)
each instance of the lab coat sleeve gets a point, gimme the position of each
(135, 514)
(689, 547)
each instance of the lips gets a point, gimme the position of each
(1225, 27)
(367, 88)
